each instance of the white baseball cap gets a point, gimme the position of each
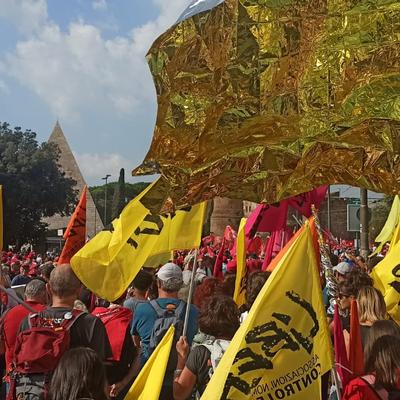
(169, 271)
(343, 268)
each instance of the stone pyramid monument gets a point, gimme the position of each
(70, 167)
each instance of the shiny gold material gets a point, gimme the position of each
(264, 99)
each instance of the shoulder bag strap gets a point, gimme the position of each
(382, 394)
(180, 310)
(160, 311)
(76, 315)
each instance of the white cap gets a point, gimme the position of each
(343, 268)
(169, 271)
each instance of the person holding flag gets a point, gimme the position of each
(219, 320)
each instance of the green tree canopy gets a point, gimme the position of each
(34, 186)
(97, 192)
(119, 198)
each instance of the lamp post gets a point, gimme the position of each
(364, 219)
(105, 199)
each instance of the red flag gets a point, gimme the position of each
(276, 243)
(304, 201)
(341, 360)
(254, 245)
(218, 262)
(267, 218)
(276, 260)
(356, 355)
(75, 233)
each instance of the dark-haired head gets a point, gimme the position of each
(219, 317)
(384, 362)
(254, 285)
(228, 286)
(347, 292)
(358, 278)
(378, 329)
(142, 281)
(79, 374)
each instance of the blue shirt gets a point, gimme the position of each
(20, 280)
(145, 317)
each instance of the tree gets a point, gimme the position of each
(131, 191)
(119, 199)
(380, 212)
(34, 186)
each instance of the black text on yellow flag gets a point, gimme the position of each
(283, 347)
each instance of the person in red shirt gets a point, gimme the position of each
(36, 297)
(382, 379)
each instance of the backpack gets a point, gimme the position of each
(165, 318)
(217, 349)
(37, 353)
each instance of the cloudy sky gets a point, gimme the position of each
(83, 62)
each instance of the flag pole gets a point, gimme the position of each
(17, 299)
(190, 295)
(330, 280)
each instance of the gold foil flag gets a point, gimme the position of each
(264, 99)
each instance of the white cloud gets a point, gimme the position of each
(27, 15)
(99, 5)
(79, 70)
(95, 166)
(4, 88)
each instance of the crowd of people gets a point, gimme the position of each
(101, 347)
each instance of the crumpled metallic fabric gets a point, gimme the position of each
(265, 99)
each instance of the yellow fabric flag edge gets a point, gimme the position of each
(392, 221)
(239, 297)
(121, 232)
(142, 388)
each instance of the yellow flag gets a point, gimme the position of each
(1, 218)
(147, 385)
(283, 347)
(386, 276)
(109, 262)
(395, 238)
(241, 271)
(390, 225)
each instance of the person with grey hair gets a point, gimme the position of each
(85, 330)
(169, 282)
(88, 331)
(36, 297)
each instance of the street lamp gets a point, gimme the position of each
(105, 199)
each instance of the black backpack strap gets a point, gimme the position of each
(160, 311)
(68, 323)
(34, 317)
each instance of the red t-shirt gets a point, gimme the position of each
(12, 321)
(358, 389)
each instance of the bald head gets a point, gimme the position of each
(63, 282)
